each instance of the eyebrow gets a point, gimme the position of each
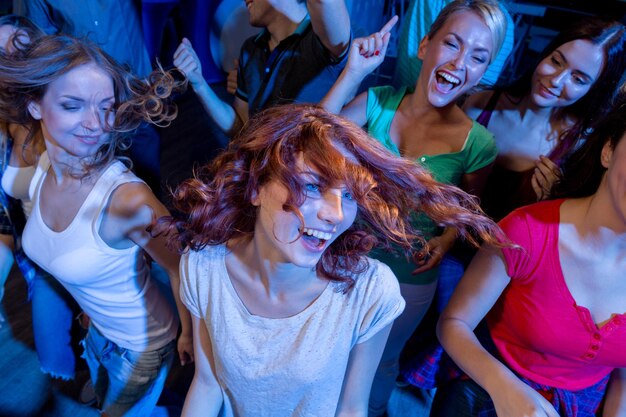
(112, 98)
(310, 173)
(583, 73)
(479, 49)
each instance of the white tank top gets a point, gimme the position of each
(112, 286)
(15, 182)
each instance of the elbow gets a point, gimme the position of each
(446, 329)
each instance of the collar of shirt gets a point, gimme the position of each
(262, 39)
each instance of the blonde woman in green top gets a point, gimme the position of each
(425, 124)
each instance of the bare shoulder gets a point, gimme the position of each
(135, 203)
(477, 102)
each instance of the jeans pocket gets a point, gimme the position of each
(142, 362)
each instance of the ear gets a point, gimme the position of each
(607, 154)
(421, 50)
(255, 200)
(35, 110)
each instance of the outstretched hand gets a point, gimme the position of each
(367, 53)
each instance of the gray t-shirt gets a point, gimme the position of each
(292, 366)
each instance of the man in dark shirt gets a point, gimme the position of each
(296, 58)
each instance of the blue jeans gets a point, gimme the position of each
(53, 315)
(127, 383)
(451, 270)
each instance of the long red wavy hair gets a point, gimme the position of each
(215, 206)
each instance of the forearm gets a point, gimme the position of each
(464, 348)
(343, 90)
(35, 10)
(183, 313)
(202, 400)
(448, 237)
(221, 112)
(615, 403)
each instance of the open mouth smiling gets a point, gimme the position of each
(446, 81)
(316, 237)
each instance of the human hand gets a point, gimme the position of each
(367, 53)
(546, 175)
(432, 253)
(520, 400)
(187, 62)
(185, 348)
(231, 80)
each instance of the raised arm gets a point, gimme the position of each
(204, 398)
(481, 286)
(132, 209)
(331, 23)
(365, 55)
(37, 11)
(228, 118)
(357, 383)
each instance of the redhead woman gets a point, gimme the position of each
(290, 316)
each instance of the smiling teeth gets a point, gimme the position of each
(449, 78)
(317, 233)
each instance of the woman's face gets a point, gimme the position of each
(326, 214)
(567, 74)
(455, 58)
(73, 110)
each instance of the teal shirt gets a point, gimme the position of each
(478, 151)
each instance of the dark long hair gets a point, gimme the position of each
(586, 111)
(216, 205)
(583, 170)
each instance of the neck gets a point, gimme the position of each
(529, 110)
(419, 108)
(285, 23)
(600, 219)
(277, 277)
(65, 168)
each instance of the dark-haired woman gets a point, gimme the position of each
(539, 120)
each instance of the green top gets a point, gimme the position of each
(479, 150)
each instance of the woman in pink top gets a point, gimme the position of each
(555, 308)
